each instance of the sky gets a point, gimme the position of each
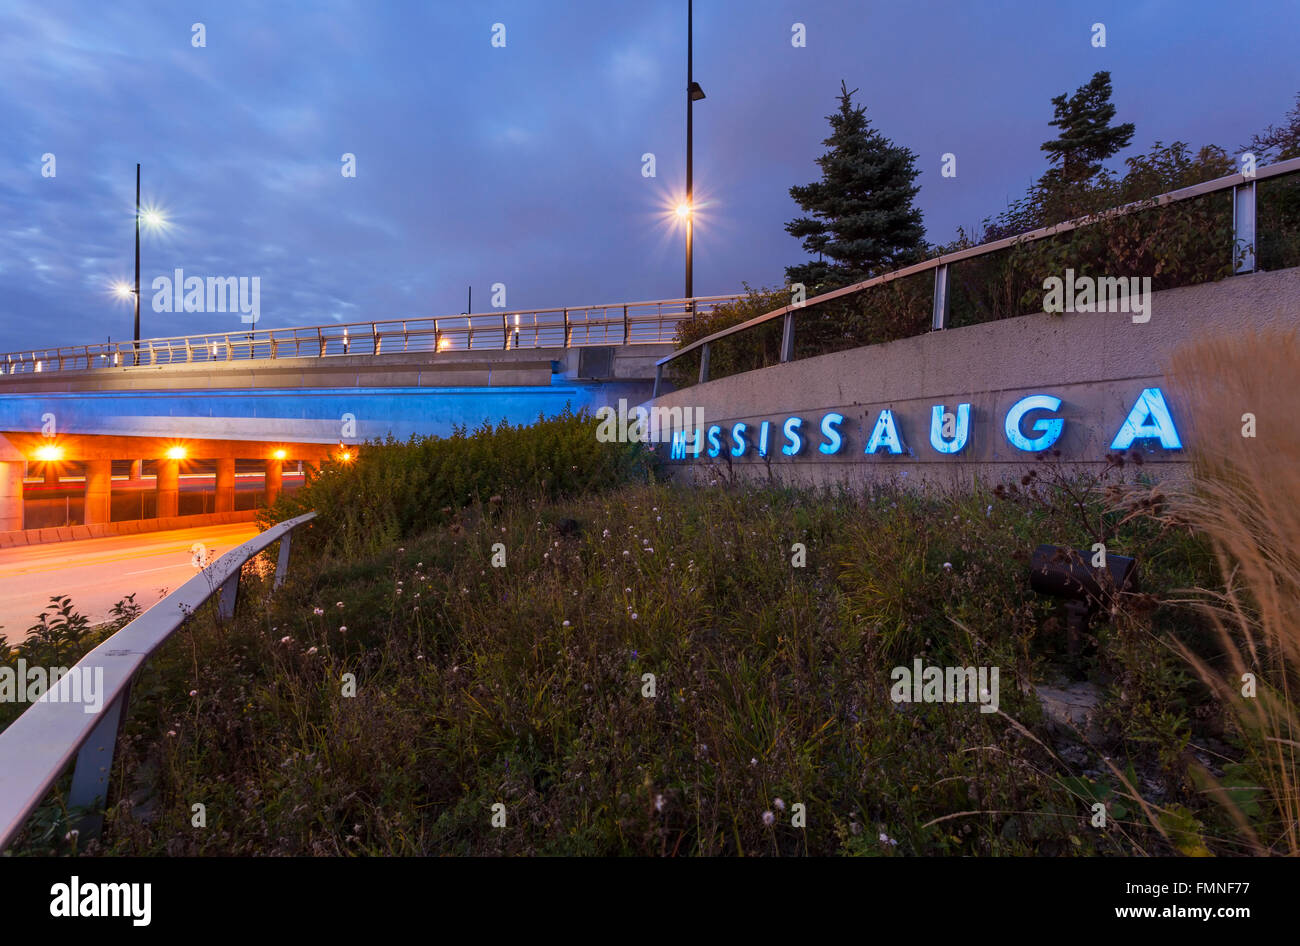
(523, 164)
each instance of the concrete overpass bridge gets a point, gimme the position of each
(306, 393)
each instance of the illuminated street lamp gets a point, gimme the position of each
(153, 219)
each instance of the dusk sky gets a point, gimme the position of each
(523, 165)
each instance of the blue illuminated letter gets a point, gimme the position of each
(762, 437)
(738, 435)
(958, 442)
(1049, 428)
(715, 447)
(885, 434)
(1149, 418)
(830, 430)
(792, 425)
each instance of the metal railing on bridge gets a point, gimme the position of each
(621, 323)
(1224, 235)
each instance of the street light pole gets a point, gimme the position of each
(690, 102)
(136, 347)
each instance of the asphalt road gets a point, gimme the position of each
(97, 573)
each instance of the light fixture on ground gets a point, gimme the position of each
(1084, 588)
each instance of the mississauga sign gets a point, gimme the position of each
(1032, 424)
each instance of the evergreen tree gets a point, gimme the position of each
(862, 222)
(1086, 137)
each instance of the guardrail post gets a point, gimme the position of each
(704, 362)
(1243, 227)
(787, 338)
(89, 789)
(282, 562)
(626, 332)
(939, 318)
(227, 595)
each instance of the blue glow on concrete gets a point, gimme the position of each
(831, 431)
(1050, 428)
(310, 415)
(960, 433)
(738, 437)
(885, 434)
(1149, 418)
(794, 441)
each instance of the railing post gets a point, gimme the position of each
(1243, 227)
(89, 789)
(787, 338)
(704, 362)
(625, 326)
(282, 562)
(566, 328)
(227, 595)
(320, 337)
(939, 318)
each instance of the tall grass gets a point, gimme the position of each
(1246, 498)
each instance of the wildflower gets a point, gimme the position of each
(627, 591)
(318, 611)
(285, 640)
(778, 804)
(633, 615)
(651, 551)
(886, 839)
(171, 732)
(753, 762)
(626, 553)
(310, 651)
(419, 656)
(343, 630)
(339, 605)
(194, 692)
(768, 818)
(947, 566)
(659, 803)
(566, 623)
(401, 550)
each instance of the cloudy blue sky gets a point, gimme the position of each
(522, 165)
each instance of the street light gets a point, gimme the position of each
(693, 94)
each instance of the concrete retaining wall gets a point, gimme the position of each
(1096, 363)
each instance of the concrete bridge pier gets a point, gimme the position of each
(99, 491)
(11, 495)
(274, 479)
(225, 499)
(137, 470)
(168, 489)
(51, 474)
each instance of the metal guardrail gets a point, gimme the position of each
(1243, 219)
(621, 323)
(37, 747)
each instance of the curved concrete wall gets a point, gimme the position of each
(1097, 364)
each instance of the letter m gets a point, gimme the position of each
(222, 289)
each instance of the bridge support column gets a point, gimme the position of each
(168, 489)
(11, 495)
(137, 470)
(51, 474)
(225, 485)
(274, 479)
(99, 491)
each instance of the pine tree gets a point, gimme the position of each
(862, 219)
(1086, 137)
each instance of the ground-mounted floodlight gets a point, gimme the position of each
(1083, 588)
